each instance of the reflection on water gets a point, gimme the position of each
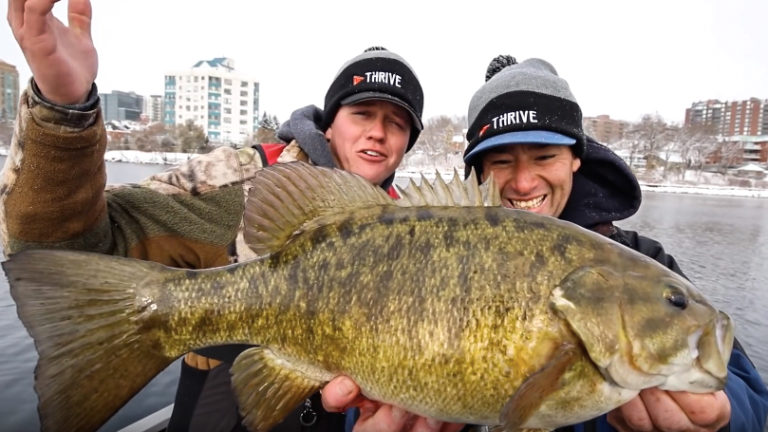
(721, 244)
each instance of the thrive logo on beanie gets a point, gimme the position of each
(376, 74)
(525, 103)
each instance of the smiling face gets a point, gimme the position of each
(532, 177)
(369, 138)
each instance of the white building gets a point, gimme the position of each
(211, 94)
(153, 109)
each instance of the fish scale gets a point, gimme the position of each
(444, 304)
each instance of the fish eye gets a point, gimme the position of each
(676, 297)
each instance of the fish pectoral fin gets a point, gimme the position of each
(267, 389)
(527, 399)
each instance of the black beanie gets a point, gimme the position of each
(376, 74)
(522, 103)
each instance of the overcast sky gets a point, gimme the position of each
(622, 58)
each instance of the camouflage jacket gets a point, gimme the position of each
(53, 194)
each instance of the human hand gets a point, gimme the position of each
(342, 393)
(658, 410)
(62, 59)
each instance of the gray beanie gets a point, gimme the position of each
(376, 74)
(524, 103)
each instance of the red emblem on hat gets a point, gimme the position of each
(357, 79)
(485, 128)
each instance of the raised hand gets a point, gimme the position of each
(62, 58)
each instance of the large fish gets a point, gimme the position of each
(435, 303)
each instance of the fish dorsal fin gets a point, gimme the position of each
(284, 197)
(457, 193)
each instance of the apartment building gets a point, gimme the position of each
(152, 111)
(605, 129)
(9, 91)
(730, 118)
(214, 96)
(741, 125)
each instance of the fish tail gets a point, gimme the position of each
(95, 326)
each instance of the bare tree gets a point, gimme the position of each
(671, 152)
(438, 144)
(654, 133)
(190, 138)
(727, 154)
(439, 134)
(151, 138)
(696, 144)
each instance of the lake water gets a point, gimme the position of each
(721, 243)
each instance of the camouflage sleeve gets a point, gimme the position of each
(53, 179)
(186, 216)
(53, 194)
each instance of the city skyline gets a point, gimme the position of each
(624, 60)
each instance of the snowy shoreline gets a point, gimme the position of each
(705, 190)
(135, 156)
(447, 175)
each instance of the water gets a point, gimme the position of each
(720, 242)
(18, 403)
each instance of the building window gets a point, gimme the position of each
(244, 93)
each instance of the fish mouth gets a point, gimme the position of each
(713, 345)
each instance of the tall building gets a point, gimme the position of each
(153, 109)
(9, 91)
(605, 129)
(215, 97)
(730, 118)
(121, 106)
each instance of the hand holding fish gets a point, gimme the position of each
(62, 58)
(658, 410)
(342, 393)
(559, 356)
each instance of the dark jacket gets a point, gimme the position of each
(604, 191)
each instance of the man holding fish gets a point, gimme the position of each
(526, 130)
(372, 118)
(66, 86)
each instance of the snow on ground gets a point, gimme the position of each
(714, 184)
(707, 190)
(691, 183)
(136, 156)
